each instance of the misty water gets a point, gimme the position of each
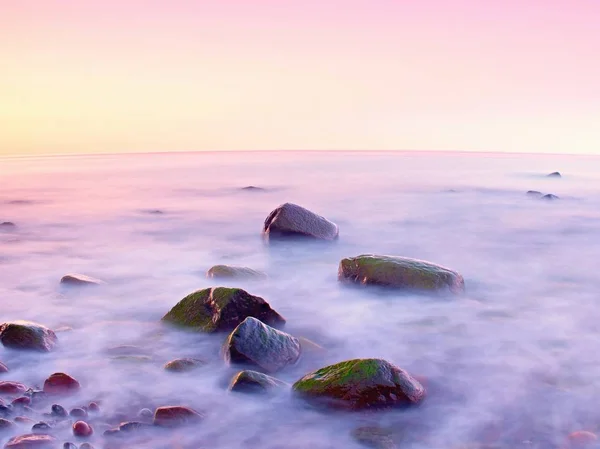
(511, 363)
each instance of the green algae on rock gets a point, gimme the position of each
(221, 309)
(256, 343)
(359, 384)
(399, 272)
(249, 381)
(229, 271)
(26, 335)
(291, 220)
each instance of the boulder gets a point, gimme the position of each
(61, 383)
(75, 279)
(10, 387)
(256, 343)
(254, 382)
(399, 272)
(221, 309)
(26, 335)
(550, 197)
(554, 175)
(229, 272)
(182, 365)
(174, 416)
(291, 220)
(374, 437)
(32, 441)
(361, 384)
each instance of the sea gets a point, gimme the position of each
(512, 362)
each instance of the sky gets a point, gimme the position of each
(103, 76)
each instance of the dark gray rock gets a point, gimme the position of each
(550, 197)
(291, 220)
(26, 335)
(554, 175)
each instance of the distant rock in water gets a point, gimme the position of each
(253, 189)
(399, 272)
(550, 197)
(175, 416)
(534, 193)
(183, 365)
(221, 309)
(360, 384)
(228, 272)
(255, 343)
(554, 175)
(26, 335)
(3, 368)
(248, 381)
(32, 441)
(153, 211)
(291, 220)
(7, 224)
(374, 437)
(80, 280)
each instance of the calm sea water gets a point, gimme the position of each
(514, 357)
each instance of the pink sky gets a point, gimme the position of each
(131, 75)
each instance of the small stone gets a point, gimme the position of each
(61, 383)
(146, 413)
(5, 424)
(32, 441)
(21, 402)
(86, 446)
(550, 197)
(10, 387)
(80, 280)
(132, 359)
(554, 175)
(111, 433)
(94, 407)
(24, 420)
(41, 427)
(374, 437)
(26, 335)
(82, 429)
(3, 368)
(78, 413)
(68, 445)
(182, 365)
(231, 272)
(253, 188)
(59, 411)
(291, 220)
(126, 350)
(174, 416)
(248, 381)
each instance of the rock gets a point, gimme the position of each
(82, 429)
(3, 368)
(374, 437)
(550, 197)
(78, 413)
(10, 387)
(534, 193)
(86, 446)
(132, 426)
(146, 413)
(229, 271)
(7, 224)
(359, 384)
(254, 382)
(253, 188)
(554, 175)
(182, 365)
(256, 343)
(59, 411)
(68, 445)
(221, 309)
(80, 280)
(291, 220)
(174, 416)
(94, 407)
(582, 439)
(112, 433)
(26, 335)
(126, 350)
(24, 420)
(5, 424)
(21, 401)
(132, 358)
(399, 272)
(41, 427)
(32, 441)
(61, 383)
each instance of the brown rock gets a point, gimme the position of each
(93, 407)
(10, 387)
(22, 401)
(182, 365)
(82, 429)
(26, 335)
(78, 413)
(32, 441)
(174, 416)
(60, 383)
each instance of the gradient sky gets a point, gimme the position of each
(130, 75)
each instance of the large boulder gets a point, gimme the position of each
(255, 343)
(26, 335)
(32, 441)
(360, 384)
(248, 381)
(221, 309)
(399, 272)
(229, 272)
(291, 220)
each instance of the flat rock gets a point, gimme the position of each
(399, 272)
(32, 441)
(291, 220)
(253, 189)
(26, 335)
(256, 343)
(184, 365)
(221, 309)
(248, 381)
(554, 175)
(174, 416)
(61, 383)
(10, 387)
(229, 272)
(360, 384)
(79, 280)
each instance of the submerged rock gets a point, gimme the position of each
(256, 343)
(399, 272)
(291, 220)
(61, 383)
(32, 441)
(3, 368)
(554, 175)
(374, 437)
(550, 197)
(359, 384)
(183, 365)
(5, 425)
(254, 382)
(10, 387)
(174, 416)
(534, 193)
(80, 280)
(221, 309)
(253, 189)
(26, 335)
(41, 427)
(228, 272)
(7, 224)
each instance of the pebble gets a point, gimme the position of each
(94, 407)
(60, 383)
(82, 429)
(5, 424)
(59, 410)
(78, 413)
(173, 416)
(5, 410)
(41, 427)
(10, 387)
(31, 441)
(68, 445)
(146, 413)
(582, 438)
(23, 400)
(24, 420)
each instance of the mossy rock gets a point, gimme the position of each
(374, 437)
(221, 309)
(291, 220)
(184, 365)
(255, 343)
(26, 335)
(360, 384)
(249, 381)
(229, 272)
(399, 272)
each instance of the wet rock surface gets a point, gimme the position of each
(27, 335)
(554, 175)
(291, 220)
(249, 381)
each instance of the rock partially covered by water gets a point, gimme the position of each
(254, 382)
(221, 309)
(10, 387)
(61, 383)
(374, 437)
(359, 384)
(3, 368)
(80, 280)
(174, 416)
(82, 429)
(183, 365)
(32, 441)
(554, 175)
(534, 193)
(26, 335)
(7, 224)
(229, 271)
(399, 272)
(291, 220)
(256, 343)
(550, 197)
